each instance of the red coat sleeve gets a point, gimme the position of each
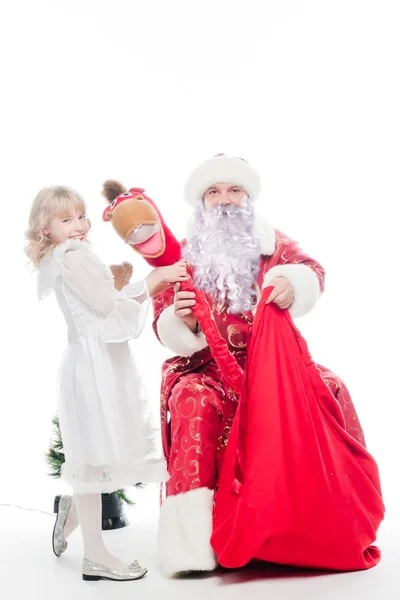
(305, 274)
(160, 303)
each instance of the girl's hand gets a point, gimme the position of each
(176, 272)
(161, 277)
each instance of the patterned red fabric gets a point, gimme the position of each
(227, 363)
(201, 420)
(296, 487)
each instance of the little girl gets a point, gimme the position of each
(108, 437)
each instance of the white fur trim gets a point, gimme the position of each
(305, 285)
(185, 532)
(176, 335)
(266, 235)
(262, 229)
(221, 169)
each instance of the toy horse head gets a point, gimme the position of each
(138, 221)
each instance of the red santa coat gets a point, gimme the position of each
(195, 368)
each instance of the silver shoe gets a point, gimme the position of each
(94, 572)
(59, 542)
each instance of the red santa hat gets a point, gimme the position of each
(221, 169)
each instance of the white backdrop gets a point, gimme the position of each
(307, 91)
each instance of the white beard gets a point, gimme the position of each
(225, 254)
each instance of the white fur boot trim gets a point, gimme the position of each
(185, 532)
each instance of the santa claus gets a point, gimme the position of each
(234, 254)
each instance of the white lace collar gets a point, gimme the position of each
(49, 269)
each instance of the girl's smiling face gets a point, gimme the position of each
(72, 225)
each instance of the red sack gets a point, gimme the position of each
(295, 487)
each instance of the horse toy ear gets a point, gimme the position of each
(114, 192)
(112, 189)
(138, 221)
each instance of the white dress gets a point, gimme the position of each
(109, 437)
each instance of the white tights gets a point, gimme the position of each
(86, 512)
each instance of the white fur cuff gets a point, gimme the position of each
(305, 285)
(185, 532)
(176, 335)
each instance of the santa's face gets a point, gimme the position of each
(224, 193)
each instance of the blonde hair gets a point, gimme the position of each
(50, 202)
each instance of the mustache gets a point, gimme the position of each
(225, 210)
(225, 219)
